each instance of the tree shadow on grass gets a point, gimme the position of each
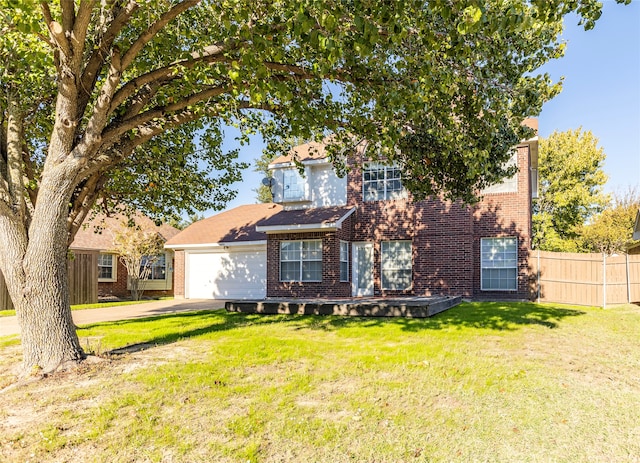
(499, 316)
(220, 320)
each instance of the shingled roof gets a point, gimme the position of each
(232, 226)
(302, 219)
(98, 233)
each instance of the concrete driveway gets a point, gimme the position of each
(9, 325)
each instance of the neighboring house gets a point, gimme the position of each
(97, 235)
(635, 248)
(362, 235)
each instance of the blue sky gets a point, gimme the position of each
(601, 93)
(601, 90)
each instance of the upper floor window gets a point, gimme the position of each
(380, 182)
(507, 185)
(156, 266)
(107, 267)
(301, 260)
(293, 185)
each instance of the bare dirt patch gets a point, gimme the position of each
(30, 402)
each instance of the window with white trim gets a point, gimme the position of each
(395, 260)
(157, 267)
(499, 264)
(293, 185)
(301, 260)
(107, 267)
(380, 182)
(344, 261)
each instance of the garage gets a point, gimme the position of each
(237, 272)
(223, 256)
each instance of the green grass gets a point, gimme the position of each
(97, 305)
(480, 382)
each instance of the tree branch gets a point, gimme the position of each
(156, 27)
(30, 175)
(80, 26)
(115, 130)
(68, 15)
(98, 58)
(98, 119)
(84, 202)
(15, 176)
(163, 73)
(56, 30)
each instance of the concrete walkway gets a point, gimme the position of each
(9, 325)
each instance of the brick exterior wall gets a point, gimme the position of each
(445, 240)
(119, 288)
(330, 286)
(178, 274)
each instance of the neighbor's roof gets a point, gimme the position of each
(306, 219)
(235, 225)
(98, 233)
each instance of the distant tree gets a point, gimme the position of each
(181, 223)
(570, 189)
(263, 192)
(138, 251)
(611, 231)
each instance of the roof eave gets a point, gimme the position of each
(221, 244)
(298, 228)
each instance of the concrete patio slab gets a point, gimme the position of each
(410, 306)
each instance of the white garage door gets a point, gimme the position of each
(227, 275)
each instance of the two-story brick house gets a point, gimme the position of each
(362, 235)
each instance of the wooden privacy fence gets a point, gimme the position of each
(83, 280)
(585, 279)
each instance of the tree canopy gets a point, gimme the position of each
(570, 189)
(140, 93)
(611, 231)
(125, 102)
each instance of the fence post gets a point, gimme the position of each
(538, 276)
(604, 280)
(628, 279)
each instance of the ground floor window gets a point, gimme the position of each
(344, 261)
(301, 260)
(156, 266)
(499, 264)
(106, 267)
(395, 257)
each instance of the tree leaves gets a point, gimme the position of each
(570, 188)
(457, 77)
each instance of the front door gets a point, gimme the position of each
(362, 269)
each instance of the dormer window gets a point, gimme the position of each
(380, 182)
(293, 185)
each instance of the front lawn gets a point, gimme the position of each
(97, 305)
(480, 382)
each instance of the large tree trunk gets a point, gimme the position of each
(35, 268)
